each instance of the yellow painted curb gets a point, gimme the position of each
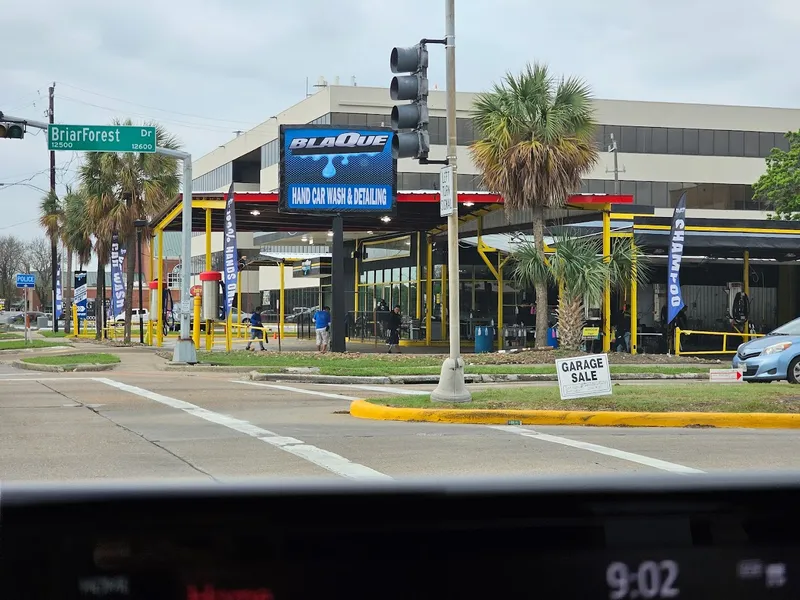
(367, 410)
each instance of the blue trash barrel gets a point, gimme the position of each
(484, 339)
(552, 341)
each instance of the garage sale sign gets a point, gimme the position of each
(583, 376)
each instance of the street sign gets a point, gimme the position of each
(101, 138)
(446, 203)
(584, 376)
(725, 376)
(196, 290)
(26, 280)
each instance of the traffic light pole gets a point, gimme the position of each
(451, 386)
(54, 239)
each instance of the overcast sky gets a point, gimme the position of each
(206, 68)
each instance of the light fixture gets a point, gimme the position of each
(330, 234)
(311, 241)
(469, 204)
(255, 213)
(369, 233)
(386, 219)
(304, 238)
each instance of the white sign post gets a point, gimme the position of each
(584, 376)
(446, 191)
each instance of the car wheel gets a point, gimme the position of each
(793, 372)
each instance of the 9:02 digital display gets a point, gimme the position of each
(646, 580)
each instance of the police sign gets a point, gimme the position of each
(583, 376)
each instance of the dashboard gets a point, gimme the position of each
(637, 538)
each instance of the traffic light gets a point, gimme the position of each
(14, 131)
(414, 116)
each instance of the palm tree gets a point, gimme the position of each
(124, 187)
(50, 218)
(536, 142)
(76, 237)
(578, 267)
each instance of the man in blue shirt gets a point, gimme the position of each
(257, 331)
(322, 324)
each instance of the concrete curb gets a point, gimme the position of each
(468, 378)
(19, 364)
(367, 410)
(29, 350)
(305, 371)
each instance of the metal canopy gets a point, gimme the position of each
(258, 212)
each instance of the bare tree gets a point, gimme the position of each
(37, 258)
(12, 255)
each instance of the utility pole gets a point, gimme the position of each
(54, 239)
(613, 148)
(451, 386)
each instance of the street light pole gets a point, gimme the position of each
(139, 224)
(452, 387)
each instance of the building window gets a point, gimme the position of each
(174, 279)
(399, 247)
(270, 154)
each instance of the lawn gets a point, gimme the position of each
(382, 365)
(19, 344)
(11, 336)
(52, 334)
(98, 358)
(661, 397)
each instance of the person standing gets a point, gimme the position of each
(394, 322)
(322, 326)
(256, 331)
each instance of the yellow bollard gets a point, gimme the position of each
(196, 327)
(75, 323)
(209, 336)
(228, 334)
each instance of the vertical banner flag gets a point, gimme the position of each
(117, 286)
(81, 298)
(59, 292)
(231, 254)
(675, 302)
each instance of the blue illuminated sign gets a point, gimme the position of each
(337, 170)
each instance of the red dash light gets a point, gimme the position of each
(209, 592)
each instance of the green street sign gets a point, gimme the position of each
(101, 138)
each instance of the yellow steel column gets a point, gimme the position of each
(418, 307)
(607, 291)
(355, 290)
(634, 305)
(282, 298)
(444, 301)
(208, 239)
(228, 334)
(428, 290)
(746, 288)
(500, 285)
(160, 299)
(149, 324)
(196, 324)
(239, 304)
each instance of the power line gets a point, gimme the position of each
(144, 116)
(174, 112)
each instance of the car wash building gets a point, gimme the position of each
(713, 154)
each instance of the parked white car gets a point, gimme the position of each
(120, 320)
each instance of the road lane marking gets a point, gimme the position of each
(322, 458)
(390, 390)
(34, 378)
(613, 452)
(287, 388)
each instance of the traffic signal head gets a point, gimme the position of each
(14, 131)
(414, 116)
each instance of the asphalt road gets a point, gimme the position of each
(131, 423)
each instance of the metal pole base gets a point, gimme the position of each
(451, 386)
(185, 352)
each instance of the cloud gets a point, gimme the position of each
(208, 67)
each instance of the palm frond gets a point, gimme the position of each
(535, 137)
(530, 265)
